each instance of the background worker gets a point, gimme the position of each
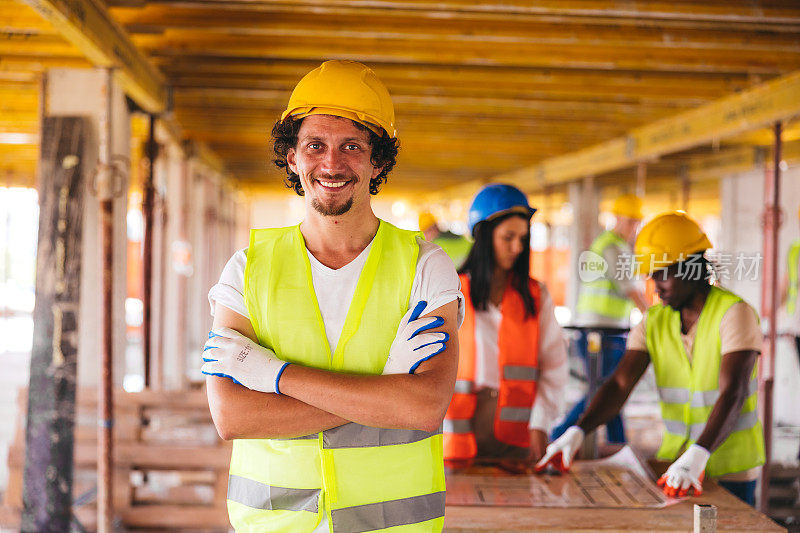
(455, 246)
(703, 342)
(512, 364)
(790, 288)
(607, 303)
(315, 366)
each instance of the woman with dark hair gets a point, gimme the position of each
(512, 364)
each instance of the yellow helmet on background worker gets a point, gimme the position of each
(628, 205)
(344, 89)
(667, 239)
(426, 220)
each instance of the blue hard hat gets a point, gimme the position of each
(495, 200)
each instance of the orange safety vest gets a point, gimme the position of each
(518, 341)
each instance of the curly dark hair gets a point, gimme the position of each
(383, 152)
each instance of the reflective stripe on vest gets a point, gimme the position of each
(521, 373)
(745, 421)
(261, 496)
(351, 468)
(518, 341)
(463, 386)
(357, 436)
(688, 392)
(515, 414)
(457, 426)
(387, 514)
(792, 268)
(602, 297)
(699, 398)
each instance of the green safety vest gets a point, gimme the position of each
(793, 258)
(602, 296)
(688, 392)
(455, 246)
(363, 478)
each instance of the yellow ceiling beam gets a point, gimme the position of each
(755, 108)
(295, 21)
(88, 25)
(733, 12)
(397, 48)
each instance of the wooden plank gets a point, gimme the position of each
(398, 49)
(51, 405)
(733, 12)
(88, 25)
(172, 517)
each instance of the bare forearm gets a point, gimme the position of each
(604, 406)
(409, 401)
(240, 413)
(721, 421)
(734, 380)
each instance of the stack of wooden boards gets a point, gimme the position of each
(170, 467)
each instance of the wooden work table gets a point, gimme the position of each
(732, 515)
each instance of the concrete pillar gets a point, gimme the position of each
(80, 92)
(178, 268)
(584, 198)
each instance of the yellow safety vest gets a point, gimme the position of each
(688, 392)
(602, 296)
(364, 478)
(792, 268)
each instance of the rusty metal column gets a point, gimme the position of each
(147, 253)
(770, 306)
(105, 422)
(158, 359)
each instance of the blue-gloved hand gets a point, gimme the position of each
(229, 354)
(415, 342)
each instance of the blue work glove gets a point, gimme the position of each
(229, 354)
(415, 342)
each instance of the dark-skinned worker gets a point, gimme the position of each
(322, 365)
(607, 302)
(703, 342)
(513, 361)
(455, 246)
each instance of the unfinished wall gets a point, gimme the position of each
(742, 197)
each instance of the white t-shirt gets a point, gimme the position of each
(435, 281)
(552, 359)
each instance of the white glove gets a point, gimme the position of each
(686, 472)
(414, 342)
(229, 354)
(561, 451)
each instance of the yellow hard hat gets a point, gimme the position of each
(628, 205)
(667, 239)
(344, 89)
(426, 220)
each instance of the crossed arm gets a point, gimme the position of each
(314, 400)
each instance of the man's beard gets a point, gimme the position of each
(332, 210)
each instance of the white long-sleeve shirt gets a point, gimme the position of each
(553, 367)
